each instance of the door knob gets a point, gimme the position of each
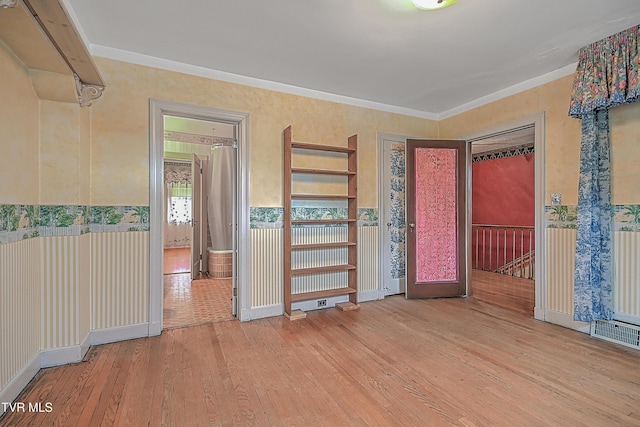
(411, 227)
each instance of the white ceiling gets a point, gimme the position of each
(385, 54)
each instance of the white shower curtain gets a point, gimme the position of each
(220, 200)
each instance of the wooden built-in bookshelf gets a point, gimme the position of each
(351, 222)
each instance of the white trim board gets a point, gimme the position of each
(383, 241)
(119, 333)
(566, 320)
(13, 389)
(364, 296)
(42, 359)
(165, 64)
(67, 355)
(264, 311)
(194, 70)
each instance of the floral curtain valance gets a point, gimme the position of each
(607, 74)
(177, 173)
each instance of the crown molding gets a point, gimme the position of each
(511, 90)
(179, 67)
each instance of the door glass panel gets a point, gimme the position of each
(436, 206)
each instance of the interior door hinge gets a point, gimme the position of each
(235, 292)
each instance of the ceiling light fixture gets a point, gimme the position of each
(432, 4)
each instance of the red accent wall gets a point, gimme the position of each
(503, 191)
(503, 194)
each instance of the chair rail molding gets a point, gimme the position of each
(87, 92)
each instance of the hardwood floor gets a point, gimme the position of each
(394, 362)
(508, 292)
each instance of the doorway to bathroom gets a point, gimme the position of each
(197, 193)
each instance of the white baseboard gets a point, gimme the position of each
(60, 356)
(538, 313)
(65, 355)
(155, 328)
(119, 333)
(566, 320)
(265, 311)
(85, 344)
(13, 389)
(375, 295)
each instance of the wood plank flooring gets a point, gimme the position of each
(394, 362)
(509, 292)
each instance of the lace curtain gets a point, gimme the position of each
(606, 76)
(177, 224)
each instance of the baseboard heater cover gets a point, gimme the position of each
(617, 332)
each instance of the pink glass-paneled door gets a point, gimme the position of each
(436, 212)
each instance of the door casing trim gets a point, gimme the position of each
(400, 139)
(538, 122)
(157, 110)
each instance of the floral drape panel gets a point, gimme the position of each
(606, 76)
(592, 292)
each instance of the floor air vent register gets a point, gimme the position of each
(617, 332)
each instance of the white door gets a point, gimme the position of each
(196, 215)
(392, 217)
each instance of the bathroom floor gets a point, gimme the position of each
(187, 302)
(177, 260)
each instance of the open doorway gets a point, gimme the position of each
(391, 164)
(199, 191)
(503, 219)
(514, 253)
(210, 128)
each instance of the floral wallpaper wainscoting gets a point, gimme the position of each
(18, 222)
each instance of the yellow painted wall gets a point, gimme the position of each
(625, 154)
(60, 156)
(18, 132)
(562, 144)
(120, 145)
(84, 155)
